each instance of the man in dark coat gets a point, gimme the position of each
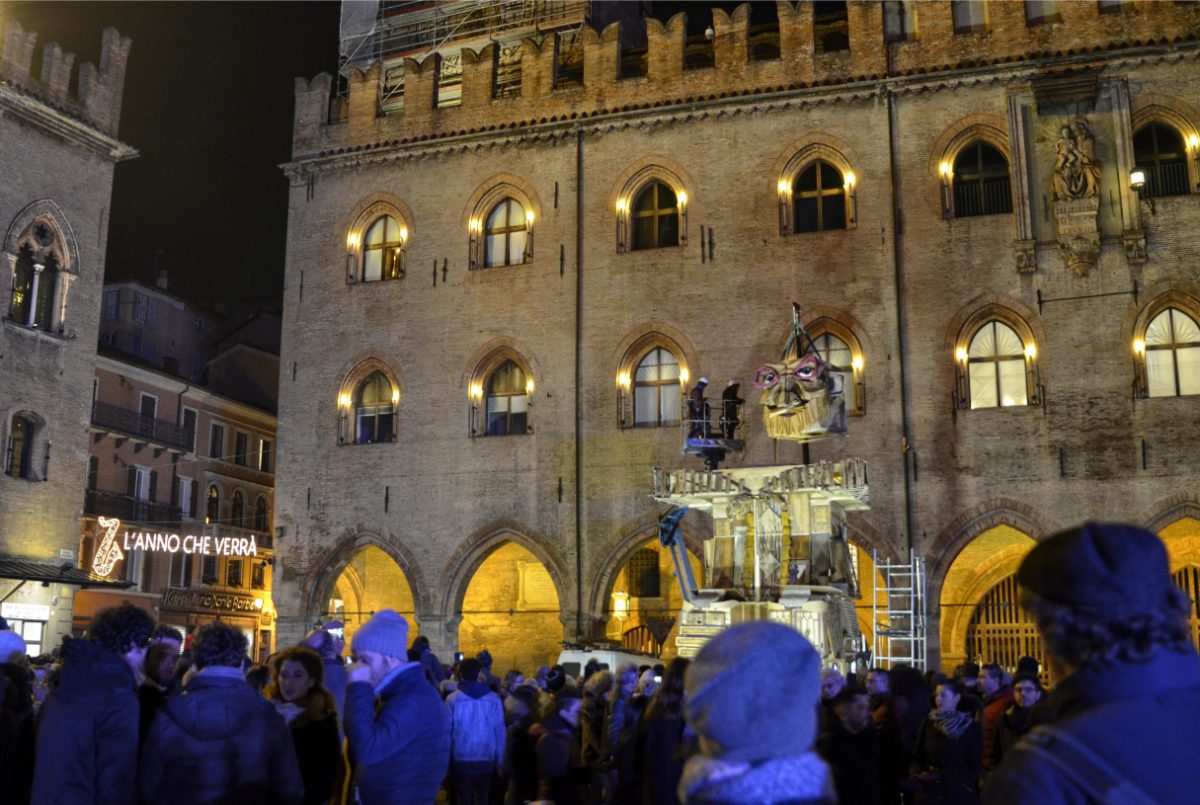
(219, 740)
(1015, 722)
(88, 728)
(396, 724)
(851, 748)
(997, 697)
(1116, 636)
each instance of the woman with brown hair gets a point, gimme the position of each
(311, 714)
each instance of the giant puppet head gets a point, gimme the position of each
(801, 396)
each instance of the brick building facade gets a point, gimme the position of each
(56, 166)
(491, 298)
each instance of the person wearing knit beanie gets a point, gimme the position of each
(386, 633)
(1126, 696)
(740, 715)
(397, 728)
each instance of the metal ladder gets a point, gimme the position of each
(900, 627)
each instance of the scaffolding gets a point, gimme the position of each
(900, 625)
(389, 31)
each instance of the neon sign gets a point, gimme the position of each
(110, 551)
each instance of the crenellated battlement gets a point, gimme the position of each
(97, 102)
(547, 78)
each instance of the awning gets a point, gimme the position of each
(64, 573)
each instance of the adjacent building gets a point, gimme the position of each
(508, 262)
(57, 165)
(189, 467)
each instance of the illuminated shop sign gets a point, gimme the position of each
(112, 548)
(208, 601)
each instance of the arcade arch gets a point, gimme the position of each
(654, 599)
(364, 583)
(976, 571)
(511, 607)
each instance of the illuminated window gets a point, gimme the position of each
(505, 235)
(1159, 153)
(1172, 361)
(981, 182)
(381, 250)
(32, 300)
(655, 217)
(374, 410)
(507, 400)
(212, 512)
(996, 367)
(656, 391)
(819, 195)
(839, 357)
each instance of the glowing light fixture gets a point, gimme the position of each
(1139, 346)
(620, 604)
(1031, 350)
(960, 354)
(856, 363)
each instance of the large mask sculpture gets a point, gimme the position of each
(802, 396)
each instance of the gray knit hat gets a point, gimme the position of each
(738, 699)
(386, 633)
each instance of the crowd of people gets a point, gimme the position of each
(130, 714)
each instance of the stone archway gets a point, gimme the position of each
(460, 573)
(977, 569)
(646, 574)
(367, 581)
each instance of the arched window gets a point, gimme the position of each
(507, 395)
(19, 458)
(260, 514)
(1172, 354)
(656, 392)
(375, 410)
(237, 509)
(654, 217)
(1158, 152)
(506, 234)
(839, 357)
(382, 248)
(996, 367)
(981, 181)
(32, 300)
(212, 513)
(819, 196)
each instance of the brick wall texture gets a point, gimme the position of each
(902, 278)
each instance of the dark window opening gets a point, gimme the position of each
(981, 182)
(655, 217)
(644, 579)
(374, 410)
(1159, 153)
(19, 461)
(506, 72)
(568, 60)
(32, 301)
(831, 26)
(764, 32)
(819, 194)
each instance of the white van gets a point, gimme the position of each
(574, 658)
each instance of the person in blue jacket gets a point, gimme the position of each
(1119, 723)
(396, 725)
(88, 731)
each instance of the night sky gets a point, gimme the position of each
(208, 104)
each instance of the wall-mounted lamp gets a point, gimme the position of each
(1030, 351)
(529, 234)
(474, 230)
(624, 381)
(851, 197)
(946, 172)
(475, 396)
(352, 242)
(343, 411)
(1137, 183)
(683, 376)
(682, 200)
(622, 212)
(1193, 144)
(961, 358)
(1139, 347)
(784, 194)
(620, 604)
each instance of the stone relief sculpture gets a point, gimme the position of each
(1076, 171)
(1075, 190)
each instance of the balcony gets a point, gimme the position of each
(158, 516)
(143, 430)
